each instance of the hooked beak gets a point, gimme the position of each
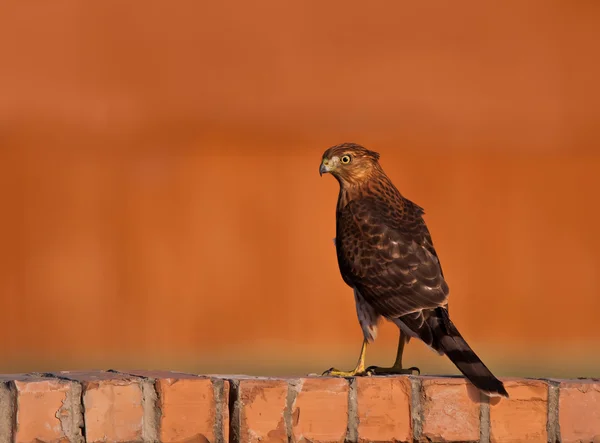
(325, 167)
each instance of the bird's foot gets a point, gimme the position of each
(356, 372)
(376, 370)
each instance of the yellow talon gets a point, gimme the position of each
(358, 371)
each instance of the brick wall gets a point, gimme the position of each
(127, 406)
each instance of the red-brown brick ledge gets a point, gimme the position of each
(141, 406)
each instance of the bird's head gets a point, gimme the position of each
(349, 163)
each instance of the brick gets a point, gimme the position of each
(113, 405)
(262, 405)
(579, 410)
(320, 410)
(383, 406)
(188, 408)
(48, 409)
(523, 416)
(450, 408)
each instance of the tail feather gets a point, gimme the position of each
(448, 340)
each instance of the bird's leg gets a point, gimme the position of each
(397, 366)
(358, 370)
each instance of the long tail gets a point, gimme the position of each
(447, 340)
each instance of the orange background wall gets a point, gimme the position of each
(161, 203)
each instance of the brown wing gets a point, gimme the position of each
(387, 254)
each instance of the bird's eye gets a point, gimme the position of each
(346, 159)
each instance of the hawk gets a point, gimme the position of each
(386, 255)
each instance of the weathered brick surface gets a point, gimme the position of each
(320, 410)
(523, 416)
(113, 406)
(262, 404)
(188, 407)
(383, 406)
(579, 410)
(450, 408)
(47, 409)
(40, 410)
